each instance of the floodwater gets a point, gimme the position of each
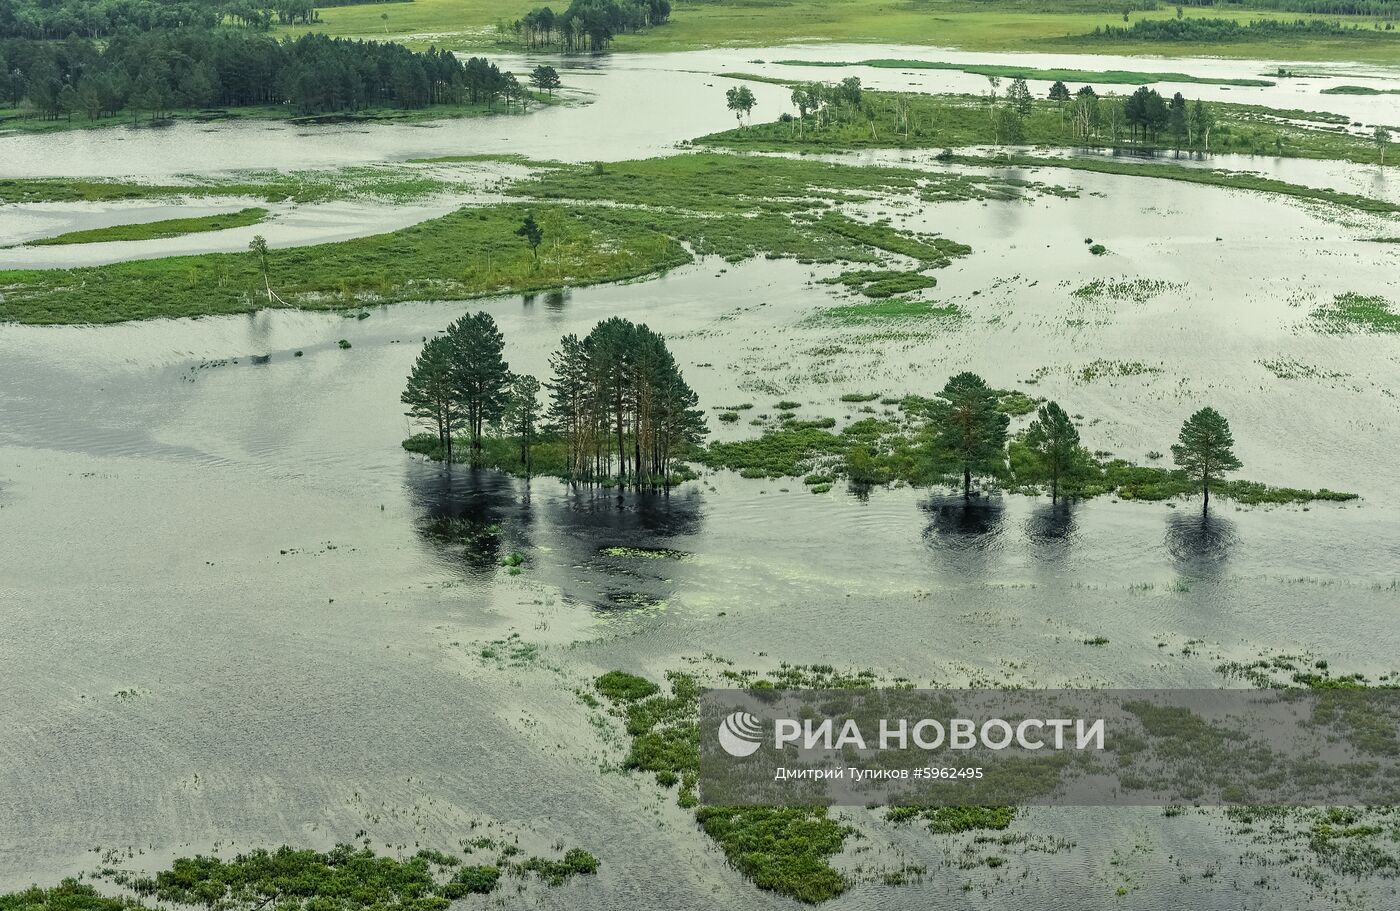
(229, 616)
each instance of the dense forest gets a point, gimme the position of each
(588, 25)
(193, 68)
(101, 18)
(1228, 30)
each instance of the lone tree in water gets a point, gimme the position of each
(522, 414)
(1205, 450)
(741, 101)
(533, 234)
(545, 78)
(968, 430)
(479, 373)
(1054, 441)
(1381, 137)
(430, 395)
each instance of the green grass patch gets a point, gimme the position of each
(893, 310)
(1358, 90)
(611, 223)
(1001, 71)
(158, 230)
(952, 121)
(1351, 312)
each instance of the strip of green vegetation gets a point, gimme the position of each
(386, 183)
(881, 283)
(899, 448)
(1114, 77)
(342, 879)
(1351, 312)
(1231, 179)
(157, 230)
(466, 254)
(893, 310)
(951, 121)
(1358, 90)
(641, 217)
(24, 120)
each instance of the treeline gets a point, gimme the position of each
(1145, 116)
(619, 409)
(1388, 9)
(192, 68)
(1227, 30)
(588, 25)
(56, 19)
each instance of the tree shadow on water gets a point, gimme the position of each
(963, 532)
(1200, 545)
(1052, 530)
(473, 517)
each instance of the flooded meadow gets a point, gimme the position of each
(234, 612)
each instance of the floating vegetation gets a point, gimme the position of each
(881, 283)
(645, 553)
(1295, 370)
(891, 310)
(511, 651)
(947, 820)
(1137, 290)
(1351, 312)
(782, 849)
(344, 878)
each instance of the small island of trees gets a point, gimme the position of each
(619, 410)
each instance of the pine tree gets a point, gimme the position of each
(522, 414)
(968, 430)
(1054, 440)
(1205, 450)
(1059, 92)
(479, 373)
(430, 395)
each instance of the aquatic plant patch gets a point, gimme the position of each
(1351, 312)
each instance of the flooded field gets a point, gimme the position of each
(230, 616)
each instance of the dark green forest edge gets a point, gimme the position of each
(345, 878)
(64, 65)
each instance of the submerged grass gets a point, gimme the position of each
(158, 230)
(344, 878)
(1352, 312)
(1003, 71)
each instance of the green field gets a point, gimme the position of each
(1016, 26)
(157, 230)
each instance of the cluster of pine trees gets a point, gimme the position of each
(192, 68)
(588, 25)
(617, 400)
(968, 436)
